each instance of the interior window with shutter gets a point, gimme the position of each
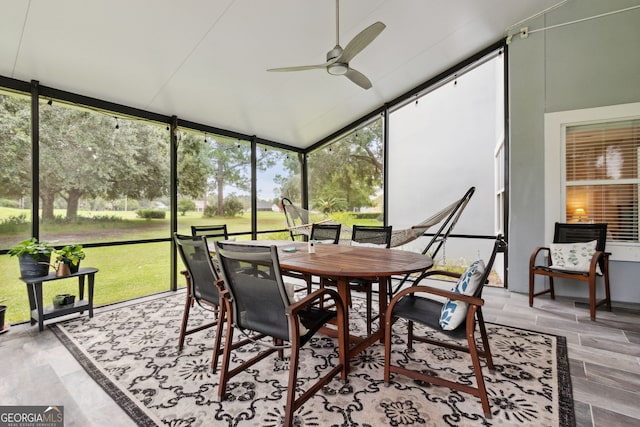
(602, 176)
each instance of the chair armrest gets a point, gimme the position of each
(595, 259)
(313, 297)
(222, 291)
(452, 274)
(435, 291)
(534, 255)
(440, 273)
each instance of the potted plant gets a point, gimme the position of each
(34, 257)
(71, 255)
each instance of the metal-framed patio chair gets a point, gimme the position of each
(255, 300)
(457, 318)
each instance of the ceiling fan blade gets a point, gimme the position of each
(361, 41)
(301, 67)
(358, 78)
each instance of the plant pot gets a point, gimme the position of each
(30, 267)
(63, 270)
(74, 268)
(63, 300)
(3, 310)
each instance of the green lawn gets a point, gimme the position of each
(126, 271)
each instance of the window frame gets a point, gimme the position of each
(555, 125)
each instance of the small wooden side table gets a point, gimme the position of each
(34, 289)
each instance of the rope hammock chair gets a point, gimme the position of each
(300, 221)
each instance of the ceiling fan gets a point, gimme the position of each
(338, 59)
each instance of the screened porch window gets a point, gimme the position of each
(602, 177)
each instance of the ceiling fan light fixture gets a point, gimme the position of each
(337, 69)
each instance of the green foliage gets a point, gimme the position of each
(351, 168)
(14, 224)
(15, 139)
(32, 247)
(185, 205)
(330, 204)
(82, 156)
(7, 203)
(367, 215)
(210, 211)
(210, 166)
(233, 206)
(15, 220)
(151, 213)
(70, 254)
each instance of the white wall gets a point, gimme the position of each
(438, 149)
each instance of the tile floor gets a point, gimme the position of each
(604, 357)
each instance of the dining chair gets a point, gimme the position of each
(370, 236)
(211, 232)
(450, 324)
(201, 276)
(326, 233)
(262, 304)
(320, 233)
(577, 253)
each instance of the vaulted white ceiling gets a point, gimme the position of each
(205, 60)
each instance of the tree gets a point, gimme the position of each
(185, 205)
(291, 184)
(350, 169)
(15, 140)
(89, 154)
(82, 154)
(211, 165)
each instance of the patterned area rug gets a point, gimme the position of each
(132, 353)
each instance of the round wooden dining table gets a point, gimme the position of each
(343, 263)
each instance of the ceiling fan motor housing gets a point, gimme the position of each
(336, 68)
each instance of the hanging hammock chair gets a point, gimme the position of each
(300, 221)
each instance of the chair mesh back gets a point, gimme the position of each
(197, 259)
(252, 277)
(579, 232)
(211, 232)
(326, 232)
(375, 235)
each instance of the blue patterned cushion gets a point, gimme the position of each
(454, 312)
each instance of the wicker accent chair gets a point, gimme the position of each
(443, 318)
(256, 301)
(588, 269)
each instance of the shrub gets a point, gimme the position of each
(151, 214)
(366, 215)
(7, 203)
(185, 205)
(15, 220)
(232, 206)
(210, 211)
